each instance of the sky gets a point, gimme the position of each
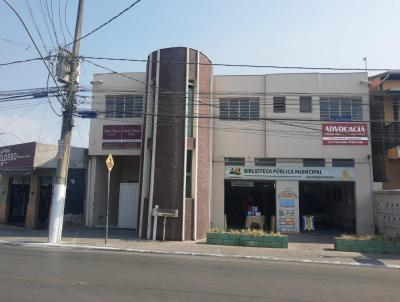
(334, 33)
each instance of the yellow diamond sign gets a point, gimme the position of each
(110, 162)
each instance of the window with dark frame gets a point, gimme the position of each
(124, 106)
(341, 162)
(239, 109)
(234, 161)
(279, 104)
(305, 104)
(268, 162)
(313, 162)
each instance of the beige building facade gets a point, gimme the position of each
(221, 150)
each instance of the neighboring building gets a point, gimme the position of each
(27, 174)
(290, 144)
(385, 123)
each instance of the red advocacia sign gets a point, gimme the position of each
(345, 133)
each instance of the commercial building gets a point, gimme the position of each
(27, 175)
(385, 123)
(211, 148)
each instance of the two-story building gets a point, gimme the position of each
(216, 148)
(385, 122)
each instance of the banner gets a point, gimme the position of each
(345, 133)
(17, 156)
(122, 137)
(289, 173)
(287, 211)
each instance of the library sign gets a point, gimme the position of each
(289, 173)
(345, 133)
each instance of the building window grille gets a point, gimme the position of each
(124, 106)
(279, 104)
(239, 109)
(314, 162)
(234, 161)
(305, 104)
(340, 109)
(340, 162)
(265, 162)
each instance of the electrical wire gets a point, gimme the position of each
(242, 65)
(21, 61)
(36, 26)
(65, 20)
(60, 21)
(44, 16)
(105, 23)
(33, 41)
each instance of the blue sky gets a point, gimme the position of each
(336, 33)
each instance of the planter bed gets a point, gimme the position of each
(234, 239)
(368, 245)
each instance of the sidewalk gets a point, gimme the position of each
(302, 248)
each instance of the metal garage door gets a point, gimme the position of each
(128, 205)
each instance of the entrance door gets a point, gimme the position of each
(128, 205)
(44, 205)
(18, 203)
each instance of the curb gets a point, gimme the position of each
(196, 254)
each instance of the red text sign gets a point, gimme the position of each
(345, 133)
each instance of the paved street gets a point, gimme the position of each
(60, 275)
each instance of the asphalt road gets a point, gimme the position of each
(58, 275)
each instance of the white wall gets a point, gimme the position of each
(288, 143)
(113, 84)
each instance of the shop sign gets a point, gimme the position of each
(17, 156)
(345, 133)
(287, 211)
(122, 137)
(289, 173)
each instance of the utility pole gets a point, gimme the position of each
(64, 144)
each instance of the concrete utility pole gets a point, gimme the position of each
(60, 187)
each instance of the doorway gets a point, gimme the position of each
(332, 204)
(18, 200)
(46, 192)
(239, 195)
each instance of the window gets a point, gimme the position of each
(124, 106)
(239, 109)
(265, 162)
(395, 104)
(340, 162)
(279, 104)
(234, 161)
(190, 109)
(305, 104)
(340, 109)
(189, 174)
(314, 162)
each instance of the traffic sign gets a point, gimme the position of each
(110, 163)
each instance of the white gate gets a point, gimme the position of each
(128, 205)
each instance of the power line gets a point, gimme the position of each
(34, 43)
(105, 23)
(22, 61)
(241, 65)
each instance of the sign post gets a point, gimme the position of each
(110, 165)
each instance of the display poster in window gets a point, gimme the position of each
(345, 134)
(122, 137)
(287, 212)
